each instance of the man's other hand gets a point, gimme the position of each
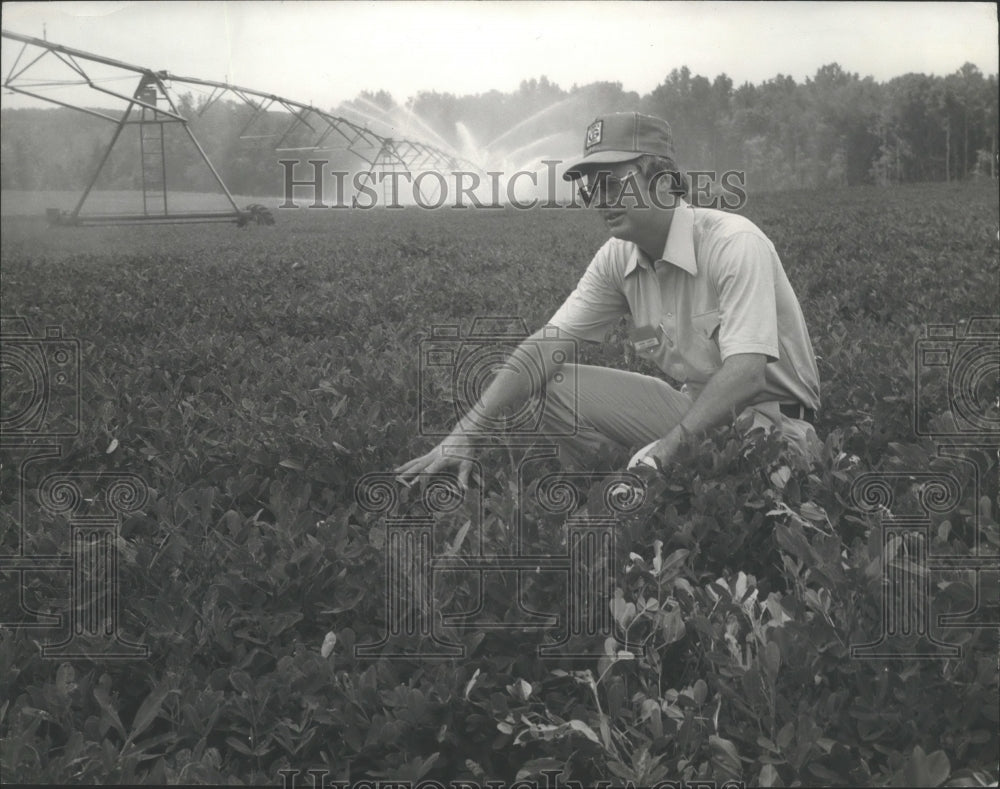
(438, 459)
(660, 453)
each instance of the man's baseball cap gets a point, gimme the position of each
(621, 137)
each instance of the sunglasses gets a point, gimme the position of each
(605, 185)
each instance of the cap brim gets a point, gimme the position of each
(589, 163)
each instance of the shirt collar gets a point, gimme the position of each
(679, 248)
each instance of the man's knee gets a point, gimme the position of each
(579, 444)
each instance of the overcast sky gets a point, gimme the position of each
(326, 52)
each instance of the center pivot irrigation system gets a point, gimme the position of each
(150, 107)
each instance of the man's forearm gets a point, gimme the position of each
(507, 391)
(727, 392)
(733, 386)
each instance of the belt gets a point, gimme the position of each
(797, 411)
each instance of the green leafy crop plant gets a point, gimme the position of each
(251, 377)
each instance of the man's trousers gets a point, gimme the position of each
(588, 409)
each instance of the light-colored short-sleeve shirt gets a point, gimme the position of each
(718, 290)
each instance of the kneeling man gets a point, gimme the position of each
(708, 301)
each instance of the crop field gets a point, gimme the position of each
(247, 380)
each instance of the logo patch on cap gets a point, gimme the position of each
(594, 132)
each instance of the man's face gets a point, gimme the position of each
(620, 193)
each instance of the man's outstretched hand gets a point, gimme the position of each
(659, 453)
(438, 459)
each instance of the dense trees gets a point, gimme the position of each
(835, 128)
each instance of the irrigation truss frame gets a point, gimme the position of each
(152, 103)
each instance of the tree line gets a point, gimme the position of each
(833, 129)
